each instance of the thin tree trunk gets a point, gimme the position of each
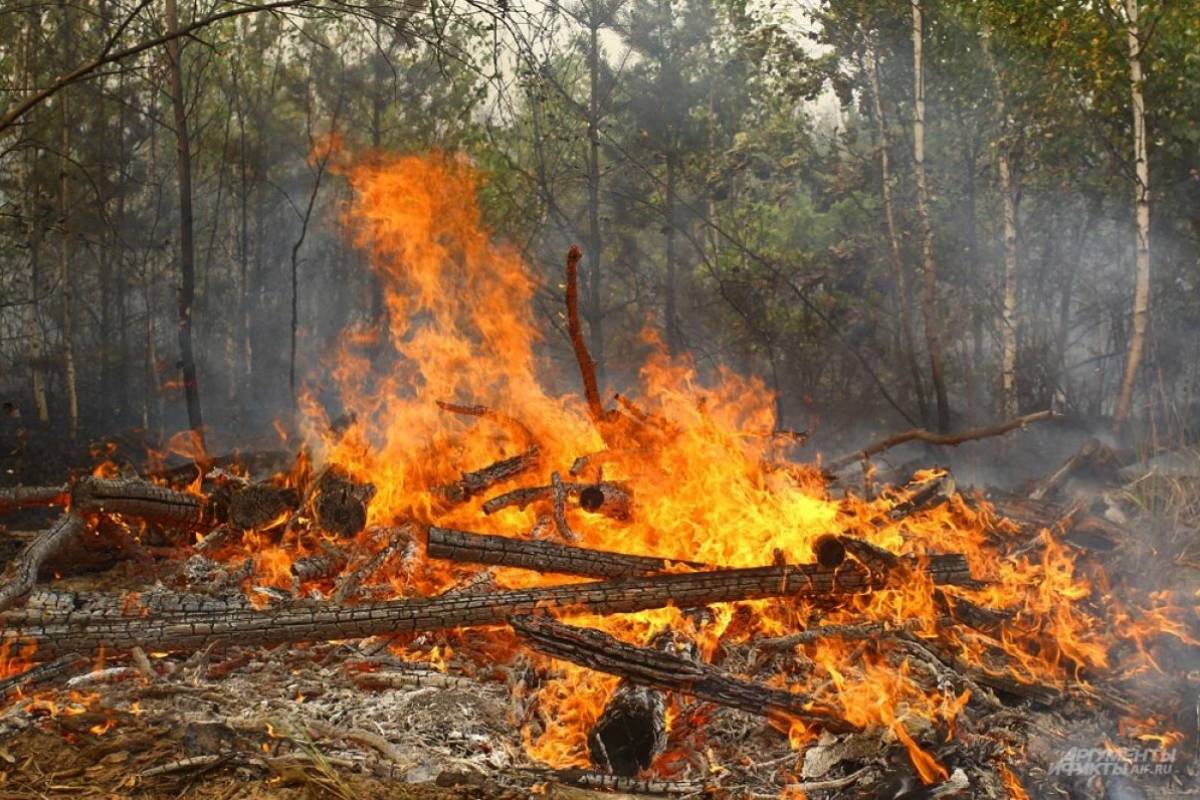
(672, 322)
(595, 312)
(1141, 291)
(122, 299)
(889, 212)
(321, 163)
(65, 251)
(187, 252)
(1008, 311)
(929, 276)
(33, 234)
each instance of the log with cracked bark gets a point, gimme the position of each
(74, 632)
(133, 497)
(339, 503)
(543, 556)
(478, 481)
(21, 574)
(597, 650)
(609, 498)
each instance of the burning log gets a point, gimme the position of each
(479, 481)
(922, 435)
(632, 730)
(318, 567)
(14, 497)
(559, 495)
(339, 504)
(75, 632)
(605, 497)
(49, 605)
(349, 585)
(257, 505)
(597, 650)
(608, 498)
(21, 574)
(42, 674)
(133, 497)
(543, 556)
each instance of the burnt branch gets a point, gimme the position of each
(587, 367)
(21, 574)
(479, 481)
(922, 435)
(14, 497)
(597, 650)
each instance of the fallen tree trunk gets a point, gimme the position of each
(21, 574)
(14, 497)
(75, 632)
(542, 556)
(133, 497)
(599, 651)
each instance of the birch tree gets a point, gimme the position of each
(1141, 200)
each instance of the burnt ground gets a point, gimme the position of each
(298, 721)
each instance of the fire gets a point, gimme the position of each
(709, 487)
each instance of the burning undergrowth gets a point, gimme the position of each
(917, 611)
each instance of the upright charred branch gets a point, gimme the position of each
(322, 622)
(664, 670)
(21, 574)
(587, 367)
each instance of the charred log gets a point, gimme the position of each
(321, 622)
(609, 498)
(259, 504)
(133, 497)
(543, 556)
(632, 730)
(479, 481)
(599, 651)
(339, 504)
(21, 575)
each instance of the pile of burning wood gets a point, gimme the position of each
(883, 662)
